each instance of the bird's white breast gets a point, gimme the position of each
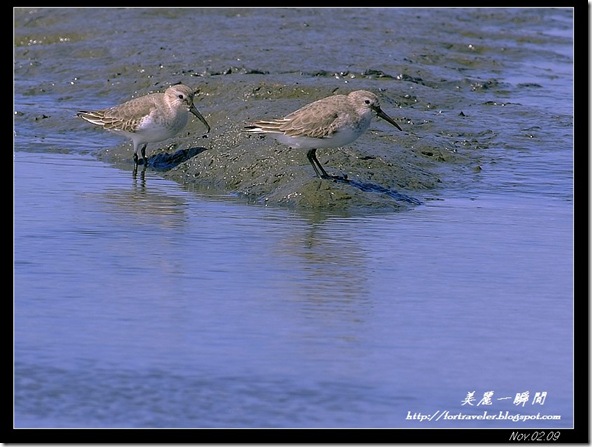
(343, 136)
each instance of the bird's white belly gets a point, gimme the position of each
(157, 130)
(338, 139)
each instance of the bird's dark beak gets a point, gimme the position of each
(194, 110)
(385, 117)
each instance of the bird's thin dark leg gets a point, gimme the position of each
(321, 173)
(144, 159)
(312, 158)
(135, 163)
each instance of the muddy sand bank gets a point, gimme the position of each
(385, 168)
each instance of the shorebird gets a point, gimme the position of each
(148, 119)
(334, 121)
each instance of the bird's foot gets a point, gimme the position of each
(336, 178)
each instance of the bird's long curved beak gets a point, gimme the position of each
(194, 110)
(385, 117)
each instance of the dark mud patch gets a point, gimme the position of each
(456, 107)
(384, 169)
(164, 161)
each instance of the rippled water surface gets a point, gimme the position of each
(141, 303)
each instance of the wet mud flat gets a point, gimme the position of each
(445, 84)
(384, 168)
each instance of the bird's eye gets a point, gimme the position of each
(367, 101)
(181, 96)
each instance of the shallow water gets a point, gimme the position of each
(166, 308)
(141, 303)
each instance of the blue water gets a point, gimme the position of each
(147, 306)
(140, 303)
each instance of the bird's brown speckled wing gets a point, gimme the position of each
(319, 121)
(126, 117)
